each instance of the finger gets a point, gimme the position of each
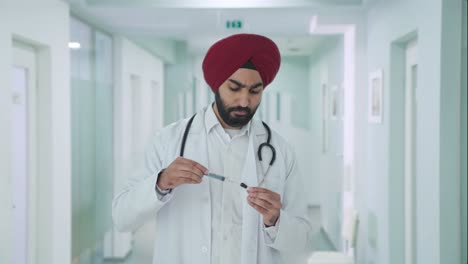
(187, 167)
(269, 198)
(202, 168)
(260, 209)
(193, 169)
(261, 203)
(193, 163)
(186, 181)
(180, 174)
(261, 190)
(190, 175)
(258, 190)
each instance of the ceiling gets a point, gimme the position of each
(199, 23)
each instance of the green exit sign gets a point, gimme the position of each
(236, 24)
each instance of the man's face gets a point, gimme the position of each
(237, 99)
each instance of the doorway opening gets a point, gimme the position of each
(403, 151)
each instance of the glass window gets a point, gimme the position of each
(92, 135)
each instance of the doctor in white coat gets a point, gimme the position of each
(202, 220)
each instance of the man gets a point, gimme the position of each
(201, 219)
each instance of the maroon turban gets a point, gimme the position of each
(229, 54)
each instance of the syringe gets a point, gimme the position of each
(222, 178)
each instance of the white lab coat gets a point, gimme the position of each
(183, 232)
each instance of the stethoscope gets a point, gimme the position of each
(259, 152)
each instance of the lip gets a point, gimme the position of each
(240, 112)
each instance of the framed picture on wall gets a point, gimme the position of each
(375, 97)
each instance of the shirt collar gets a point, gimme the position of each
(212, 121)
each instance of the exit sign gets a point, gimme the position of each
(235, 24)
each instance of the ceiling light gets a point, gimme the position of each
(74, 45)
(313, 24)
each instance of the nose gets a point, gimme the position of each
(244, 98)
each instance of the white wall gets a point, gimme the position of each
(46, 27)
(450, 144)
(463, 135)
(436, 234)
(132, 60)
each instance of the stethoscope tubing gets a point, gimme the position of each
(259, 152)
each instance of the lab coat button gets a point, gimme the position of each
(204, 249)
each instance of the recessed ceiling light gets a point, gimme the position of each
(74, 45)
(313, 24)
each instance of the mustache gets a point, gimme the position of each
(240, 108)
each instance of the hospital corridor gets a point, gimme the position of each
(233, 131)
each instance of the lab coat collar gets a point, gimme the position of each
(257, 127)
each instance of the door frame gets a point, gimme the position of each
(25, 56)
(410, 152)
(396, 168)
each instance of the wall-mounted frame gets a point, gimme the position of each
(375, 97)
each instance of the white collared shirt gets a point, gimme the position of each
(226, 156)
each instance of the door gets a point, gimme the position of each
(23, 138)
(410, 151)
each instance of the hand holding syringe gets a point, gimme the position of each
(185, 171)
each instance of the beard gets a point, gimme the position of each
(230, 119)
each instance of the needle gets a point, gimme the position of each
(222, 178)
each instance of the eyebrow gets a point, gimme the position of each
(241, 85)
